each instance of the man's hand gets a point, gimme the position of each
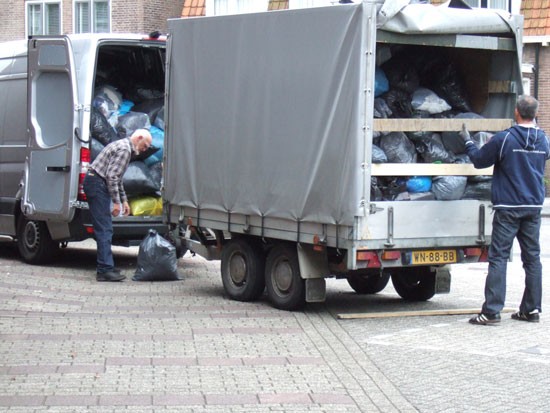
(126, 208)
(116, 210)
(464, 134)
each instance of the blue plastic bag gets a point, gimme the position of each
(419, 184)
(381, 84)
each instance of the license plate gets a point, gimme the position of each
(433, 257)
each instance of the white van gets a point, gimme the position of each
(48, 92)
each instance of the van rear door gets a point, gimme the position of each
(52, 115)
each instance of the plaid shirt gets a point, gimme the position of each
(110, 164)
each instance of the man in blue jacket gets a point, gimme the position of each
(518, 155)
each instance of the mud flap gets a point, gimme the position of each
(443, 279)
(315, 290)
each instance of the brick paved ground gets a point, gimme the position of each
(70, 344)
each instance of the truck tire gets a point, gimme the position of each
(242, 268)
(368, 284)
(34, 242)
(414, 283)
(284, 284)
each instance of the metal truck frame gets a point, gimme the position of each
(270, 122)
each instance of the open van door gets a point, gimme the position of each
(50, 167)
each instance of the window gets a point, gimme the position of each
(490, 4)
(43, 17)
(302, 4)
(92, 16)
(219, 7)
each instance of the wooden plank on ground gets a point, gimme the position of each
(419, 313)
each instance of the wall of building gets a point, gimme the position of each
(543, 93)
(12, 21)
(136, 16)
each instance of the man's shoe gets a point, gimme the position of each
(110, 276)
(530, 317)
(485, 319)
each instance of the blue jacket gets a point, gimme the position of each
(518, 155)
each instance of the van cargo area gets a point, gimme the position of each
(82, 92)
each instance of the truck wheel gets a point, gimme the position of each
(284, 284)
(414, 283)
(242, 268)
(368, 284)
(34, 242)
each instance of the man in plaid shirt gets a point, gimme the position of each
(103, 185)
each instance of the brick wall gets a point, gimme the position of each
(12, 20)
(529, 56)
(143, 16)
(529, 52)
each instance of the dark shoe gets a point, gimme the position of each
(110, 276)
(530, 317)
(485, 319)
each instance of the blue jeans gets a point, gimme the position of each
(507, 225)
(99, 202)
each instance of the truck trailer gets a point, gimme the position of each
(273, 121)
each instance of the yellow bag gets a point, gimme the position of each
(144, 205)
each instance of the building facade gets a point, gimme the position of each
(42, 17)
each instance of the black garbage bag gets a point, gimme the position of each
(399, 103)
(449, 188)
(159, 119)
(156, 173)
(452, 140)
(401, 73)
(138, 180)
(95, 148)
(130, 122)
(431, 149)
(157, 260)
(478, 190)
(144, 155)
(151, 107)
(378, 155)
(448, 84)
(398, 148)
(392, 187)
(381, 109)
(100, 128)
(375, 190)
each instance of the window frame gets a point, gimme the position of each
(43, 16)
(488, 4)
(92, 17)
(235, 6)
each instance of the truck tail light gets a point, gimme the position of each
(371, 257)
(85, 158)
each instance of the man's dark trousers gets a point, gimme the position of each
(507, 225)
(99, 202)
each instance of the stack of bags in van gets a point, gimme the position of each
(113, 118)
(412, 82)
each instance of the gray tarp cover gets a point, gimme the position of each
(265, 113)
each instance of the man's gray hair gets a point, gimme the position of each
(527, 107)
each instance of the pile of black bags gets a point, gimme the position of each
(113, 118)
(417, 83)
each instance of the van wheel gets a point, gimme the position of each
(284, 284)
(414, 283)
(34, 242)
(242, 268)
(368, 284)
